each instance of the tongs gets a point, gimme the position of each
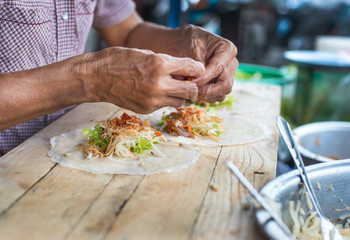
(286, 234)
(329, 231)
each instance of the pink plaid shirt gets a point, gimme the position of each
(36, 33)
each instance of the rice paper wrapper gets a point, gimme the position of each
(237, 130)
(245, 102)
(178, 156)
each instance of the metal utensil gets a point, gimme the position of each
(329, 231)
(260, 200)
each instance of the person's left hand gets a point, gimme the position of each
(219, 58)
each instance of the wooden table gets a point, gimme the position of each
(40, 199)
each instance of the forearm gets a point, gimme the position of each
(29, 94)
(217, 54)
(157, 38)
(134, 33)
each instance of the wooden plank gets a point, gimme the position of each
(45, 201)
(224, 214)
(99, 219)
(21, 168)
(54, 205)
(164, 206)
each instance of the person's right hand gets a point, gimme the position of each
(138, 80)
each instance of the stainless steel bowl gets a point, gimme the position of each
(323, 141)
(331, 185)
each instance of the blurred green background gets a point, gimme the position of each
(328, 98)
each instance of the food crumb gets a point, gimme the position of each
(330, 186)
(142, 164)
(213, 188)
(245, 206)
(318, 185)
(318, 141)
(189, 79)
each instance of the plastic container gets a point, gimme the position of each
(262, 74)
(284, 77)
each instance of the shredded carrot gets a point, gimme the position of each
(125, 126)
(158, 133)
(189, 79)
(182, 122)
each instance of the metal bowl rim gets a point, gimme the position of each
(317, 127)
(294, 173)
(287, 177)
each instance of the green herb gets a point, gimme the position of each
(188, 101)
(217, 131)
(143, 145)
(95, 136)
(162, 122)
(211, 111)
(227, 102)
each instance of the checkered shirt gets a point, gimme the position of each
(35, 33)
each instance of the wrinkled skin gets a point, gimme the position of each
(140, 80)
(219, 57)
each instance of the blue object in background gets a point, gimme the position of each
(174, 13)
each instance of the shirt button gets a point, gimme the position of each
(64, 16)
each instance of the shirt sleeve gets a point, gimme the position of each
(111, 12)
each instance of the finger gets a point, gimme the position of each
(184, 66)
(212, 71)
(181, 89)
(172, 102)
(145, 107)
(178, 77)
(216, 99)
(216, 89)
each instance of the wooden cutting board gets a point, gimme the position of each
(40, 199)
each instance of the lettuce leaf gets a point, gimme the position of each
(143, 145)
(228, 102)
(95, 136)
(217, 132)
(162, 122)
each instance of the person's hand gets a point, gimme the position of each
(219, 57)
(139, 80)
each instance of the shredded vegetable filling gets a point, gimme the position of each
(126, 136)
(228, 102)
(306, 223)
(190, 122)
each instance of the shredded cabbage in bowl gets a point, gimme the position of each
(305, 223)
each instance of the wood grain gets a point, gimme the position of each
(226, 212)
(165, 205)
(99, 219)
(25, 165)
(43, 200)
(56, 203)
